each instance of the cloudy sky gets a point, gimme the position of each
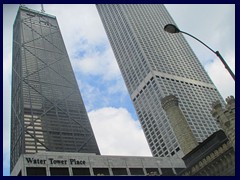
(106, 98)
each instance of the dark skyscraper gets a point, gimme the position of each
(155, 64)
(47, 111)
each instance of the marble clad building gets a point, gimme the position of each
(156, 64)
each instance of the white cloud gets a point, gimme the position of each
(118, 87)
(96, 63)
(117, 133)
(78, 23)
(221, 78)
(93, 96)
(86, 40)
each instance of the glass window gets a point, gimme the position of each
(167, 172)
(136, 171)
(100, 171)
(59, 171)
(81, 171)
(36, 171)
(119, 171)
(152, 171)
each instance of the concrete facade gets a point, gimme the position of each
(69, 164)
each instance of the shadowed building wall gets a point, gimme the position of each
(47, 110)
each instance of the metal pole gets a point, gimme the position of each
(225, 64)
(42, 9)
(215, 52)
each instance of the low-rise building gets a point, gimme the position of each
(82, 164)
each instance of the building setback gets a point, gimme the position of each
(47, 110)
(156, 64)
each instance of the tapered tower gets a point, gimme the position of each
(155, 64)
(47, 110)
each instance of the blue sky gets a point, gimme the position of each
(103, 90)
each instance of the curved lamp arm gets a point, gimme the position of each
(170, 28)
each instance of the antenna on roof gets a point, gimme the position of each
(42, 9)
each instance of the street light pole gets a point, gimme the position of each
(170, 28)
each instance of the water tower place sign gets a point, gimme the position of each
(54, 161)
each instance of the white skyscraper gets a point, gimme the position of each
(155, 64)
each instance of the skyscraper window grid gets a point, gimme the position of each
(48, 113)
(155, 64)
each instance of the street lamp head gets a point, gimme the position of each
(170, 28)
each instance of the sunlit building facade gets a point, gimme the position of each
(47, 110)
(155, 64)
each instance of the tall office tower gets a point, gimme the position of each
(47, 112)
(155, 64)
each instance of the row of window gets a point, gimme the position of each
(144, 22)
(195, 102)
(154, 122)
(129, 56)
(62, 171)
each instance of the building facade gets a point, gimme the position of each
(84, 164)
(225, 116)
(216, 155)
(179, 124)
(155, 64)
(47, 110)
